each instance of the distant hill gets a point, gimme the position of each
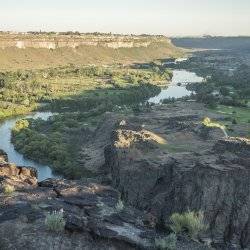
(233, 43)
(26, 50)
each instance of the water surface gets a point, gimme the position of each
(173, 89)
(44, 171)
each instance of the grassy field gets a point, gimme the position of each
(240, 114)
(238, 123)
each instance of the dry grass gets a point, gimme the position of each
(30, 58)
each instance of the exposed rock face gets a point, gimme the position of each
(241, 146)
(24, 51)
(14, 175)
(95, 218)
(23, 41)
(213, 179)
(92, 154)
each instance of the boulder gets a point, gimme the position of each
(17, 176)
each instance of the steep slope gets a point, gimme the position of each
(165, 161)
(19, 51)
(94, 215)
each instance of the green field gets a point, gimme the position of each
(241, 114)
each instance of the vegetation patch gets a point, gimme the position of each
(167, 242)
(70, 87)
(55, 222)
(8, 189)
(240, 114)
(191, 222)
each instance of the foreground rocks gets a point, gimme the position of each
(20, 177)
(95, 216)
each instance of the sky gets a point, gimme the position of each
(166, 17)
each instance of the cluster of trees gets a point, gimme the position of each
(22, 91)
(105, 100)
(221, 88)
(71, 86)
(56, 142)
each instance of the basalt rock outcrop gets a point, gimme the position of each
(3, 156)
(239, 146)
(95, 217)
(155, 176)
(20, 177)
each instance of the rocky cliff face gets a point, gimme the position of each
(23, 41)
(95, 216)
(26, 51)
(213, 178)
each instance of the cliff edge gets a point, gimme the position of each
(27, 51)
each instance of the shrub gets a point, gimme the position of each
(54, 221)
(8, 189)
(234, 121)
(119, 206)
(191, 222)
(168, 242)
(20, 124)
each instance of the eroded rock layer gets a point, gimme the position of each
(174, 168)
(95, 216)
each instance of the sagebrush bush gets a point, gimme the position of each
(168, 242)
(54, 221)
(192, 222)
(8, 189)
(119, 206)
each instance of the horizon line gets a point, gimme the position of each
(124, 34)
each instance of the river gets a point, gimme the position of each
(44, 171)
(173, 89)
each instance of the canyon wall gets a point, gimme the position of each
(25, 40)
(33, 51)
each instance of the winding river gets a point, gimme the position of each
(173, 90)
(44, 171)
(177, 88)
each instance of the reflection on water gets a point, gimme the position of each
(173, 90)
(17, 158)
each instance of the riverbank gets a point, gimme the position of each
(6, 126)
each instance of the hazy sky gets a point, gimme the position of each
(168, 17)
